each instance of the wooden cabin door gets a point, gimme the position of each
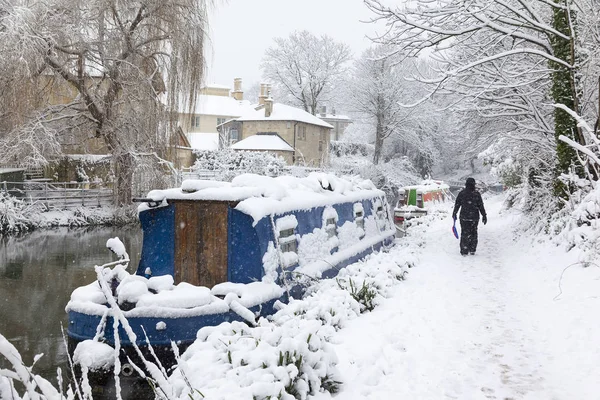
(200, 242)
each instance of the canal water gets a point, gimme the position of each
(38, 272)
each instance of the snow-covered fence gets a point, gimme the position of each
(60, 195)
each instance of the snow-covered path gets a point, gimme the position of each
(486, 326)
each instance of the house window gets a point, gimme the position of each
(196, 121)
(302, 133)
(234, 135)
(288, 125)
(221, 121)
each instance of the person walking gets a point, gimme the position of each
(470, 203)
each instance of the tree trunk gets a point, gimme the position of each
(564, 92)
(378, 141)
(124, 178)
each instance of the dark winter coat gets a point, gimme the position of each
(470, 203)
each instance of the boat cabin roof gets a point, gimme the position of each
(259, 196)
(428, 185)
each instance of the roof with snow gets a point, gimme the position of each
(204, 141)
(259, 196)
(334, 116)
(263, 141)
(224, 106)
(282, 112)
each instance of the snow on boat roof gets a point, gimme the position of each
(259, 196)
(282, 112)
(428, 185)
(262, 142)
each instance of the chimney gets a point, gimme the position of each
(237, 89)
(268, 103)
(263, 94)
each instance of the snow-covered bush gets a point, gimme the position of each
(229, 163)
(16, 216)
(270, 361)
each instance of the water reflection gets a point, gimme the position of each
(38, 272)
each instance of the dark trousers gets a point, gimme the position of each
(468, 236)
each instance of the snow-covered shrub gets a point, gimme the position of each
(229, 163)
(270, 361)
(16, 216)
(83, 216)
(365, 295)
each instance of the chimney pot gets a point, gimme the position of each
(268, 107)
(237, 93)
(263, 93)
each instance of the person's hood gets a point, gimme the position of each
(470, 184)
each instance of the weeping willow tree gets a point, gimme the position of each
(104, 70)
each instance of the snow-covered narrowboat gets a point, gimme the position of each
(218, 251)
(414, 201)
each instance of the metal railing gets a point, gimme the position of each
(60, 195)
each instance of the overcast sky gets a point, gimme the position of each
(241, 31)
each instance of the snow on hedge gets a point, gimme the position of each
(288, 356)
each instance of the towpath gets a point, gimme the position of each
(488, 326)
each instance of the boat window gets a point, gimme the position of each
(331, 227)
(287, 241)
(359, 217)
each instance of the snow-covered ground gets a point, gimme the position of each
(490, 326)
(518, 320)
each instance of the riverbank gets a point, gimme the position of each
(17, 217)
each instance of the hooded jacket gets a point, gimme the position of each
(470, 203)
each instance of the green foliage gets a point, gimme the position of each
(364, 296)
(563, 92)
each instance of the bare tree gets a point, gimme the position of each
(305, 67)
(513, 53)
(119, 66)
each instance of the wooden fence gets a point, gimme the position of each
(59, 195)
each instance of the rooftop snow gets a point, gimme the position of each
(333, 116)
(282, 112)
(204, 141)
(225, 106)
(262, 142)
(259, 196)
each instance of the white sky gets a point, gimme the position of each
(242, 30)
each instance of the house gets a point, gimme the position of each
(338, 121)
(214, 105)
(306, 134)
